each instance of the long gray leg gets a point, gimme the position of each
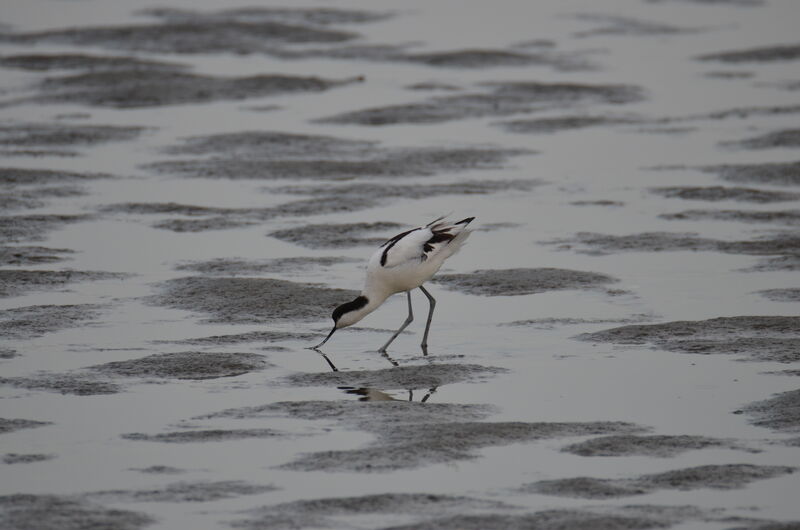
(432, 300)
(405, 324)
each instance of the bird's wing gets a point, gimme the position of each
(405, 247)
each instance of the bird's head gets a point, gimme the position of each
(347, 314)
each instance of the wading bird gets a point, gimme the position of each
(403, 263)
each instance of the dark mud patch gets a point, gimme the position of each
(51, 512)
(601, 202)
(253, 336)
(322, 513)
(780, 413)
(7, 425)
(513, 282)
(143, 88)
(13, 198)
(160, 470)
(468, 58)
(380, 192)
(202, 218)
(661, 446)
(410, 446)
(63, 383)
(783, 245)
(14, 282)
(774, 173)
(721, 477)
(34, 321)
(782, 295)
(75, 61)
(399, 377)
(627, 26)
(208, 435)
(241, 267)
(723, 193)
(780, 217)
(14, 176)
(16, 458)
(499, 99)
(786, 52)
(250, 300)
(789, 138)
(250, 30)
(50, 135)
(7, 353)
(413, 434)
(336, 235)
(545, 520)
(564, 123)
(25, 228)
(183, 492)
(761, 338)
(31, 255)
(186, 365)
(270, 155)
(553, 323)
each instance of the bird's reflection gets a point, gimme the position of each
(373, 394)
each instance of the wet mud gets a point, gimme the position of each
(566, 123)
(660, 446)
(273, 155)
(399, 377)
(786, 52)
(43, 138)
(497, 99)
(14, 282)
(761, 338)
(782, 295)
(186, 365)
(338, 235)
(723, 193)
(779, 217)
(78, 61)
(239, 267)
(249, 300)
(244, 338)
(31, 255)
(125, 89)
(26, 228)
(774, 173)
(780, 413)
(15, 458)
(513, 282)
(183, 492)
(322, 513)
(627, 26)
(34, 321)
(46, 512)
(723, 477)
(783, 245)
(75, 384)
(250, 30)
(788, 138)
(411, 446)
(208, 435)
(9, 425)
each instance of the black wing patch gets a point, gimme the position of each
(439, 236)
(392, 242)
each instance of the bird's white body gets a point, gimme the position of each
(403, 263)
(406, 265)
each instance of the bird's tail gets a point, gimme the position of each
(458, 230)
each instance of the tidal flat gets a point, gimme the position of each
(188, 190)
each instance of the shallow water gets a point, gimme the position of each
(178, 222)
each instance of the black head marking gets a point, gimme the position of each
(353, 305)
